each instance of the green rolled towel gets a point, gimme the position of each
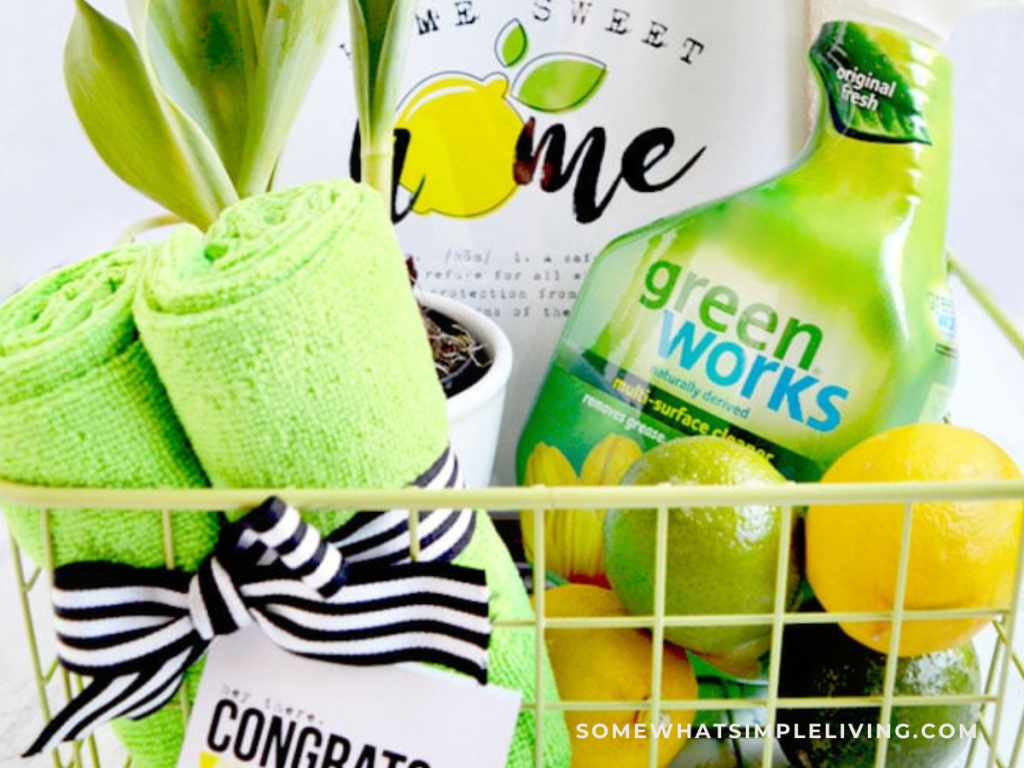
(294, 354)
(291, 345)
(81, 405)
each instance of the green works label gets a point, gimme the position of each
(740, 348)
(680, 416)
(698, 356)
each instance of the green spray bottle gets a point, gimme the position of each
(798, 316)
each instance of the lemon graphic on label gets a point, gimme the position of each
(206, 760)
(463, 133)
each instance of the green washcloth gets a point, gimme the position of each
(294, 354)
(291, 345)
(81, 406)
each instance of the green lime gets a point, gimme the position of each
(720, 559)
(820, 660)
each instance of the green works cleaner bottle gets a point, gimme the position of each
(797, 317)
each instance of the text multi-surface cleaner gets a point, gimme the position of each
(799, 316)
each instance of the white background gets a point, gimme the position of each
(59, 203)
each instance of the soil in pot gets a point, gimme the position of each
(460, 360)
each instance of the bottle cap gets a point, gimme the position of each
(930, 20)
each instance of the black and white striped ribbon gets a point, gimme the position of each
(354, 598)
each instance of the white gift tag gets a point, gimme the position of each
(258, 705)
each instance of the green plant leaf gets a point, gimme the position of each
(133, 128)
(558, 82)
(201, 52)
(294, 37)
(380, 31)
(512, 43)
(874, 101)
(252, 20)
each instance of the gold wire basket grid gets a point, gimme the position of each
(1004, 677)
(1000, 731)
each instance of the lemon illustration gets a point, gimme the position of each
(463, 135)
(207, 760)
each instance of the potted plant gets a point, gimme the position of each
(468, 346)
(193, 109)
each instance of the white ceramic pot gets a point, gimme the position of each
(475, 413)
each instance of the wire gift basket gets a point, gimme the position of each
(996, 742)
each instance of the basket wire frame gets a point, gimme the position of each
(1004, 675)
(1000, 730)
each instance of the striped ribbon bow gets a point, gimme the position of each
(355, 598)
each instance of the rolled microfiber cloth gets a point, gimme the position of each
(81, 406)
(291, 345)
(294, 353)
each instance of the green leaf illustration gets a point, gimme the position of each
(558, 82)
(512, 44)
(869, 98)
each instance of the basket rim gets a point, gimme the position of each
(528, 497)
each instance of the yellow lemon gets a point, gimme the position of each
(462, 150)
(962, 553)
(603, 664)
(573, 546)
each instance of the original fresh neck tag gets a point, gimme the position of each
(875, 81)
(259, 706)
